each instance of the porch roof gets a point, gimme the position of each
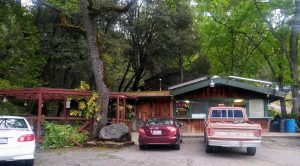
(216, 80)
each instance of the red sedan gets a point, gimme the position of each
(160, 131)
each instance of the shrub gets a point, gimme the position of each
(273, 113)
(57, 135)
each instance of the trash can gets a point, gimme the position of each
(290, 125)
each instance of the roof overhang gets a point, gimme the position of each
(204, 82)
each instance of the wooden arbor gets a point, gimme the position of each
(120, 98)
(44, 94)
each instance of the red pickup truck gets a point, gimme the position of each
(230, 127)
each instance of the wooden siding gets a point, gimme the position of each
(148, 108)
(192, 126)
(221, 92)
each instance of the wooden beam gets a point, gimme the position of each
(124, 110)
(39, 119)
(118, 110)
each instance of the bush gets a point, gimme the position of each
(57, 135)
(273, 113)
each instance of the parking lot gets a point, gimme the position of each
(273, 151)
(279, 151)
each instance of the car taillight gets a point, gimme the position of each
(172, 130)
(257, 133)
(142, 131)
(25, 138)
(209, 132)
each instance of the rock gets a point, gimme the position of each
(113, 131)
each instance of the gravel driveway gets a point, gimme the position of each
(279, 151)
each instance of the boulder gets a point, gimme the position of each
(114, 131)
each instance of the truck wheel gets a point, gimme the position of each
(208, 148)
(142, 147)
(251, 151)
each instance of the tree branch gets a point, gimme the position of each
(64, 23)
(272, 30)
(97, 11)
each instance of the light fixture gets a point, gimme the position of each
(68, 103)
(212, 84)
(187, 101)
(160, 84)
(5, 100)
(238, 100)
(276, 88)
(25, 104)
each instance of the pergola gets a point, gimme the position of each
(42, 94)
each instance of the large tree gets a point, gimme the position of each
(89, 12)
(264, 44)
(161, 39)
(20, 63)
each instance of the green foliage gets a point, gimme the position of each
(58, 136)
(70, 6)
(20, 65)
(273, 113)
(86, 108)
(12, 109)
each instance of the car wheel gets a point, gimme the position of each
(29, 162)
(142, 147)
(208, 148)
(177, 146)
(251, 151)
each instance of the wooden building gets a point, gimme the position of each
(189, 102)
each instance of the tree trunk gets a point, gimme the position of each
(294, 58)
(89, 24)
(137, 80)
(124, 77)
(181, 68)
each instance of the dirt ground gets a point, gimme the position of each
(273, 151)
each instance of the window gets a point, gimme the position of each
(238, 114)
(216, 114)
(9, 123)
(182, 109)
(157, 121)
(198, 109)
(227, 114)
(230, 114)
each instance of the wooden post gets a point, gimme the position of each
(65, 109)
(124, 109)
(118, 109)
(171, 108)
(39, 118)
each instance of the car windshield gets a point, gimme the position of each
(157, 121)
(12, 123)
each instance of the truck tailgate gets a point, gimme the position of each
(231, 131)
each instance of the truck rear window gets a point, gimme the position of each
(227, 114)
